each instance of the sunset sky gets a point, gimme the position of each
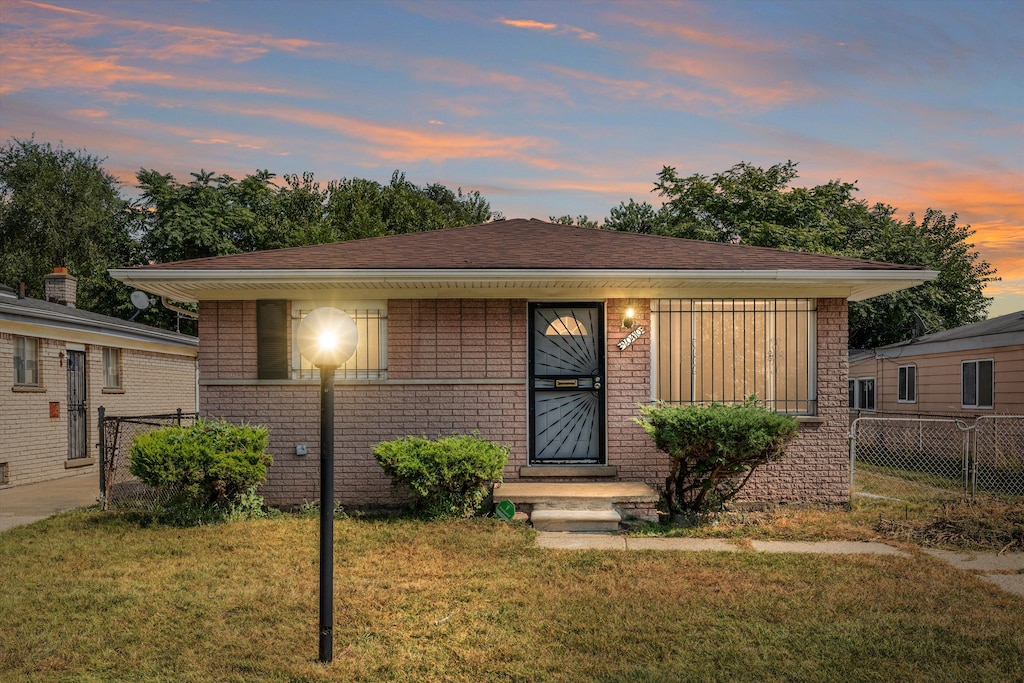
(546, 108)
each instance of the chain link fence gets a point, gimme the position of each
(122, 490)
(936, 460)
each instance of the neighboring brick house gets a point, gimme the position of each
(971, 370)
(60, 364)
(543, 337)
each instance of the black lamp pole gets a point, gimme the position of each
(326, 514)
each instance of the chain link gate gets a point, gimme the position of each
(120, 488)
(937, 459)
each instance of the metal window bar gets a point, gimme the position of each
(723, 350)
(370, 358)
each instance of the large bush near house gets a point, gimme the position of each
(209, 466)
(714, 449)
(448, 477)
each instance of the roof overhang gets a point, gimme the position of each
(67, 326)
(192, 285)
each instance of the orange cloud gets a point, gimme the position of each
(691, 34)
(528, 23)
(750, 83)
(627, 90)
(463, 75)
(165, 41)
(409, 145)
(39, 62)
(532, 25)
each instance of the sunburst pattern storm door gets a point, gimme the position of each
(567, 384)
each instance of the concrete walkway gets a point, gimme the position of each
(32, 502)
(1001, 570)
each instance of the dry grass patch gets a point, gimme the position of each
(88, 597)
(920, 516)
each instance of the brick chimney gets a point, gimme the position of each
(61, 288)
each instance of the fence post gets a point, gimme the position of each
(103, 455)
(179, 417)
(853, 454)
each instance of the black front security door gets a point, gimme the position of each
(78, 426)
(567, 384)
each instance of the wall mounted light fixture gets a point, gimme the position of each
(629, 315)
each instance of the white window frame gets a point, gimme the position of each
(112, 360)
(977, 383)
(361, 365)
(22, 360)
(858, 387)
(906, 391)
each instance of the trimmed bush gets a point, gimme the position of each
(448, 477)
(714, 449)
(212, 465)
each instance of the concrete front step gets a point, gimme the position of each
(552, 519)
(610, 491)
(579, 506)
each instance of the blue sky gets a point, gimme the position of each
(547, 108)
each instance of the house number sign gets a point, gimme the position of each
(633, 336)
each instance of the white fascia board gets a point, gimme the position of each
(989, 341)
(56, 325)
(194, 285)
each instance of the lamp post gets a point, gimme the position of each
(327, 338)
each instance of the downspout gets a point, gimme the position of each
(178, 309)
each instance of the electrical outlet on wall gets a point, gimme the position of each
(301, 449)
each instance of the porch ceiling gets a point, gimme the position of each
(218, 285)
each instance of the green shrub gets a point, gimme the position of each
(714, 449)
(448, 477)
(207, 471)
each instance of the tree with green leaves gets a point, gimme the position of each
(752, 205)
(583, 221)
(60, 208)
(358, 208)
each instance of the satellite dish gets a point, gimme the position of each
(140, 300)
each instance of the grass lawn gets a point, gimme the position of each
(90, 597)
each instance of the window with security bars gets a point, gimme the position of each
(724, 350)
(370, 358)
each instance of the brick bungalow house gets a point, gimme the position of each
(542, 337)
(61, 363)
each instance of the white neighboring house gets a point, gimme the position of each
(60, 364)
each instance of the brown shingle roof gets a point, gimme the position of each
(527, 244)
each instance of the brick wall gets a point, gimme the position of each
(460, 365)
(35, 445)
(816, 468)
(453, 366)
(629, 385)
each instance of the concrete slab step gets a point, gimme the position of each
(610, 491)
(601, 521)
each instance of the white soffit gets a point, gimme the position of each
(220, 285)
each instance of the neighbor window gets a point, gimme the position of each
(862, 393)
(725, 350)
(26, 361)
(907, 392)
(370, 358)
(976, 378)
(111, 368)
